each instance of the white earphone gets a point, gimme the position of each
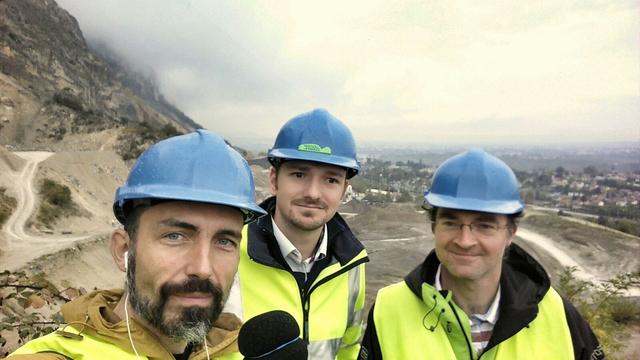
(126, 259)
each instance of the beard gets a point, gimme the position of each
(304, 224)
(307, 220)
(193, 323)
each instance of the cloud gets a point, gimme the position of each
(402, 71)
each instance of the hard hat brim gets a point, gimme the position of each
(250, 211)
(506, 207)
(291, 154)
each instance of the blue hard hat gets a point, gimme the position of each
(476, 181)
(316, 136)
(199, 167)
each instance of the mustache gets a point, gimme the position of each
(310, 202)
(189, 286)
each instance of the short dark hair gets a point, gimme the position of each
(511, 218)
(132, 220)
(276, 165)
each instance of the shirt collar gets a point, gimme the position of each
(289, 251)
(491, 316)
(438, 284)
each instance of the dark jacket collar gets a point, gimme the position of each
(263, 247)
(523, 284)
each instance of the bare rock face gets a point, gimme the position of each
(54, 85)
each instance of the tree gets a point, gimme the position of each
(543, 179)
(590, 170)
(602, 220)
(603, 305)
(529, 196)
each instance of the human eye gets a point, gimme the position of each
(227, 244)
(448, 224)
(486, 226)
(297, 174)
(174, 237)
(332, 180)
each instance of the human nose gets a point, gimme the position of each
(465, 236)
(199, 262)
(312, 190)
(469, 225)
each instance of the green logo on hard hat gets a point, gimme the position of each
(315, 148)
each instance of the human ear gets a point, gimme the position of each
(344, 191)
(120, 248)
(273, 181)
(512, 233)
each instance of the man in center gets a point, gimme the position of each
(303, 258)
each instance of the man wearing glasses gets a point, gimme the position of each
(476, 295)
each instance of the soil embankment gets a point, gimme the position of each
(92, 177)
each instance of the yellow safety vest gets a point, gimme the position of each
(329, 317)
(88, 348)
(405, 332)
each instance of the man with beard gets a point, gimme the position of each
(183, 208)
(304, 259)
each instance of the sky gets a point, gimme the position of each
(412, 72)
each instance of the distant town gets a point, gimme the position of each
(607, 196)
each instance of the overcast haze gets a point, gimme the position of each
(504, 72)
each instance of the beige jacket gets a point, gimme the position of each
(89, 314)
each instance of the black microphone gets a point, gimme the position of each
(274, 335)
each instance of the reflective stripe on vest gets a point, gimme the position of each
(333, 306)
(87, 348)
(403, 323)
(91, 348)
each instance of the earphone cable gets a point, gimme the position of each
(126, 314)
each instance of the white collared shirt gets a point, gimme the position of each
(481, 324)
(292, 256)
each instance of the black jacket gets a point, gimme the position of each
(342, 248)
(523, 284)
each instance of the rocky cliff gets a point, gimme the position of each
(55, 89)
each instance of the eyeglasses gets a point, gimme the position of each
(480, 228)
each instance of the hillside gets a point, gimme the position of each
(57, 93)
(9, 161)
(78, 114)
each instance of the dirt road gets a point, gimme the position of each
(14, 227)
(562, 257)
(565, 259)
(22, 247)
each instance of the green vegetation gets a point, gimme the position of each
(56, 202)
(7, 205)
(362, 184)
(134, 140)
(68, 99)
(624, 225)
(630, 212)
(603, 305)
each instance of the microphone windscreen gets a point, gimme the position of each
(273, 335)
